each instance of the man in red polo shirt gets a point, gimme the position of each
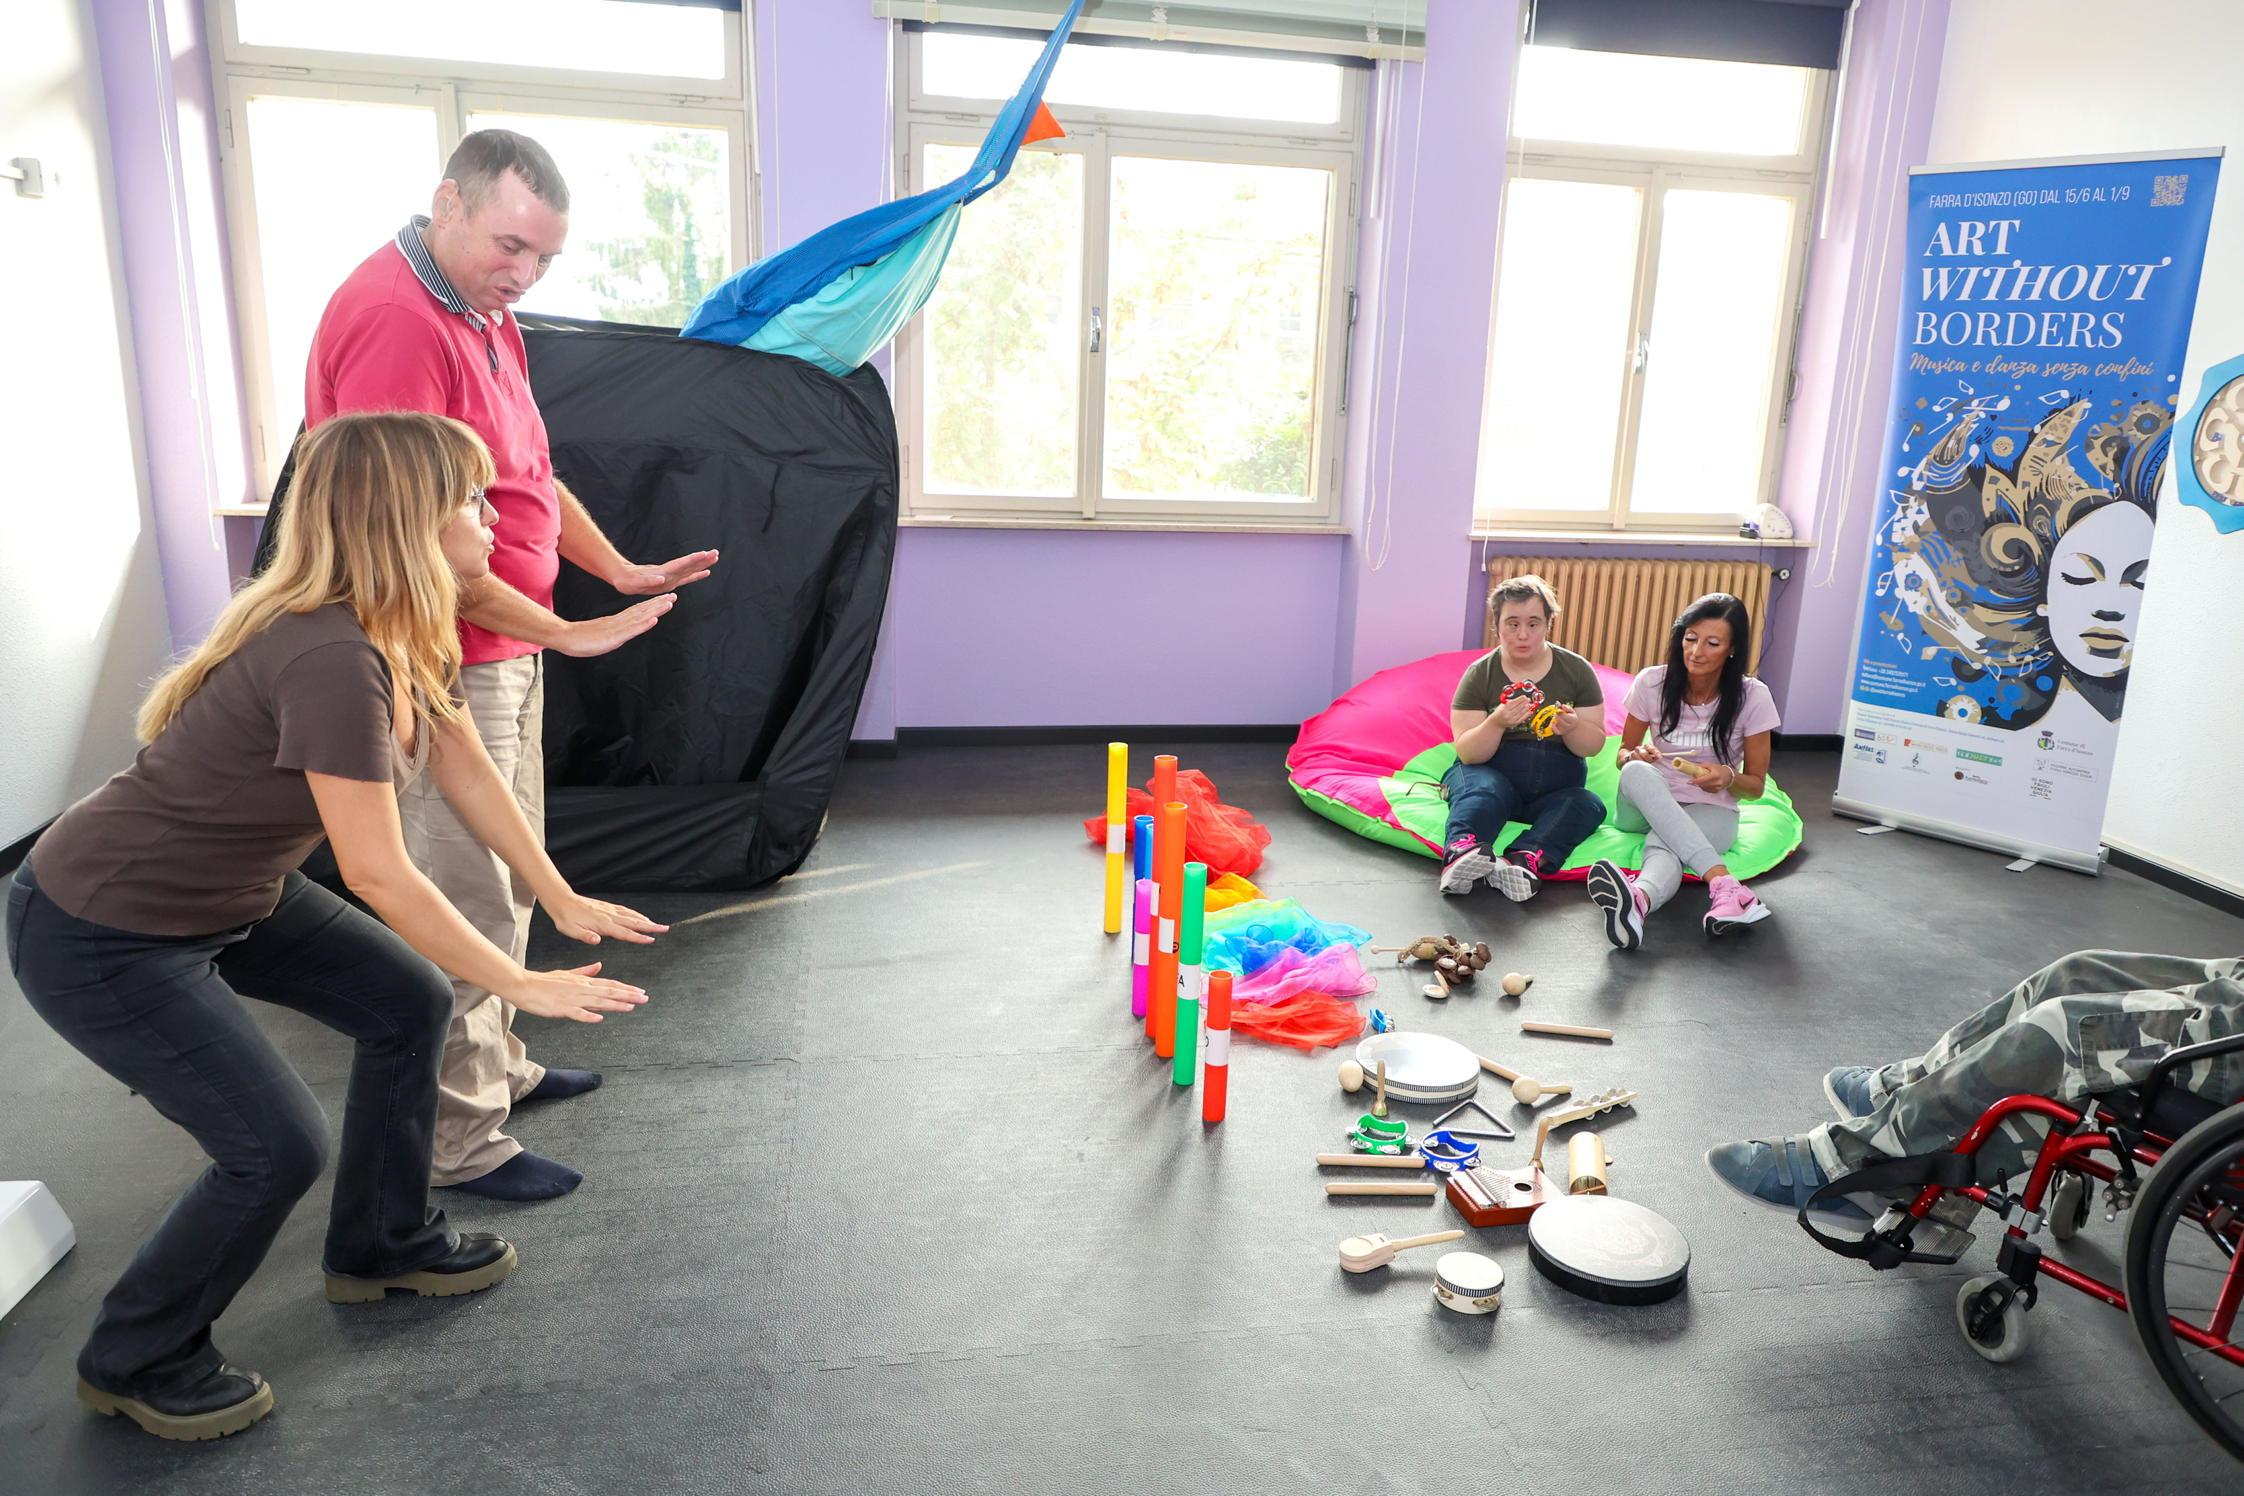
(423, 325)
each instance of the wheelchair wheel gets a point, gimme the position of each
(2176, 1266)
(2068, 1207)
(1991, 1312)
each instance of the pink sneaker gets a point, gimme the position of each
(1731, 904)
(1464, 865)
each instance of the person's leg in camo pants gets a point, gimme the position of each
(2092, 1021)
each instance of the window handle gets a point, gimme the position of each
(1643, 353)
(1098, 330)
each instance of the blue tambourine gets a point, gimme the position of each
(2210, 444)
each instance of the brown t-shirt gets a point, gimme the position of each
(196, 836)
(1570, 679)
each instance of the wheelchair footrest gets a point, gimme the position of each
(1938, 1238)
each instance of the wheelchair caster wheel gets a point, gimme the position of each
(1991, 1312)
(2068, 1207)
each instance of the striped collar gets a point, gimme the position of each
(416, 252)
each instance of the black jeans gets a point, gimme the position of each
(1542, 784)
(163, 1014)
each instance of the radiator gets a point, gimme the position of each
(1618, 612)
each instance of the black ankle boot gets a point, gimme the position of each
(476, 1261)
(224, 1401)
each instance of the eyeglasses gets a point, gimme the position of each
(477, 497)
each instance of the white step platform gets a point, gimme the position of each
(34, 1236)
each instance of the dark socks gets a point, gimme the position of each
(559, 1083)
(523, 1177)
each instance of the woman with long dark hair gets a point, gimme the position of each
(1695, 743)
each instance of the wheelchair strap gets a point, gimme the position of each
(1893, 1175)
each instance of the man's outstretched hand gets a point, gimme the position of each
(637, 581)
(596, 636)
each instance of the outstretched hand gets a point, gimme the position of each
(597, 636)
(637, 581)
(580, 994)
(589, 920)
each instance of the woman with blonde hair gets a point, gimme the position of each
(152, 906)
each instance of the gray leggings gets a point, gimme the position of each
(1675, 836)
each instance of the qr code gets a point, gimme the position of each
(2167, 192)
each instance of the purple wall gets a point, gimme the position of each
(156, 78)
(1831, 456)
(1428, 268)
(1013, 627)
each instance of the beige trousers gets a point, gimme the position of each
(485, 1069)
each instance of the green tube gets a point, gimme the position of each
(1191, 946)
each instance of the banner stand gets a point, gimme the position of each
(2045, 315)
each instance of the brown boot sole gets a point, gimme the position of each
(342, 1290)
(213, 1425)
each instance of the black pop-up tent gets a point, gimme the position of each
(702, 754)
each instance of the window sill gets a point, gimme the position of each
(239, 511)
(1712, 539)
(1132, 526)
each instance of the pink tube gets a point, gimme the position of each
(1141, 946)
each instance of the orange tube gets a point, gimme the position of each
(1161, 981)
(1215, 1074)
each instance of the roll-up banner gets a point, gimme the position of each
(2045, 311)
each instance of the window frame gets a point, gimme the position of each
(1655, 171)
(451, 90)
(1099, 135)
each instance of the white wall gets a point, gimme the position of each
(82, 626)
(2025, 78)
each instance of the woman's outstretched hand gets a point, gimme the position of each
(588, 920)
(581, 995)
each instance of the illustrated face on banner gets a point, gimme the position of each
(2096, 589)
(2022, 551)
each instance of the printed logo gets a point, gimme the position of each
(1866, 733)
(2045, 742)
(1979, 758)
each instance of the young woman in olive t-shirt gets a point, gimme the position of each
(1505, 771)
(152, 906)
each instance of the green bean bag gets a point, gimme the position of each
(1364, 763)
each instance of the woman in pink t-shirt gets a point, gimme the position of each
(1696, 742)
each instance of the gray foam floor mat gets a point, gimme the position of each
(883, 1194)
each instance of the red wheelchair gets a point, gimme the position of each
(2175, 1159)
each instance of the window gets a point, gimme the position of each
(1648, 289)
(338, 120)
(1147, 320)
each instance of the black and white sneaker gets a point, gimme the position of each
(1615, 892)
(1464, 865)
(1518, 876)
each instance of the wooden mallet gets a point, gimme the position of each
(1526, 1090)
(1360, 1254)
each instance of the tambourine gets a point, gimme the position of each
(1468, 1283)
(1517, 689)
(1446, 1153)
(1544, 723)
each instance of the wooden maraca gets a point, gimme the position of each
(1526, 1090)
(1360, 1254)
